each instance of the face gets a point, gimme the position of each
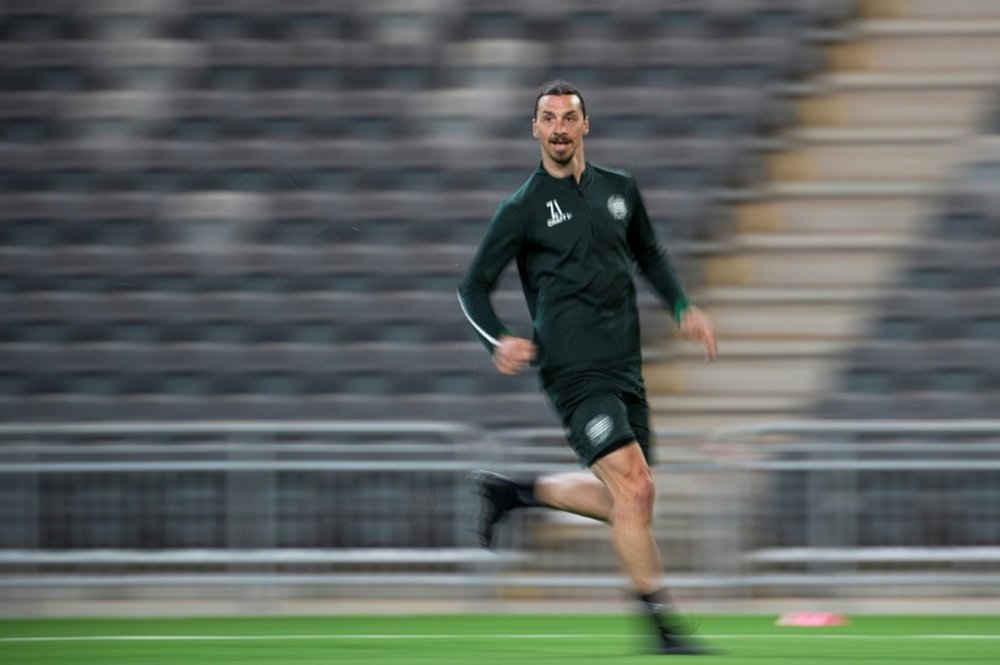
(559, 126)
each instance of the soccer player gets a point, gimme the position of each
(575, 230)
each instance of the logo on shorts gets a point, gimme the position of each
(617, 207)
(598, 429)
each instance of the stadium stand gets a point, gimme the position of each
(933, 347)
(213, 210)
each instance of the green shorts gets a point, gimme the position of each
(603, 415)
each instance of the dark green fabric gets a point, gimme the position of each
(604, 422)
(576, 247)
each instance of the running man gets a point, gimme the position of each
(576, 230)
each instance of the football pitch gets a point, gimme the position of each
(488, 640)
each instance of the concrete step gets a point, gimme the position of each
(884, 162)
(818, 242)
(885, 216)
(854, 190)
(878, 153)
(937, 9)
(945, 108)
(930, 47)
(849, 191)
(753, 349)
(708, 420)
(788, 295)
(707, 412)
(905, 28)
(833, 315)
(904, 135)
(758, 377)
(751, 376)
(775, 260)
(732, 403)
(878, 80)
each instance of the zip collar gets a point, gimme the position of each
(568, 181)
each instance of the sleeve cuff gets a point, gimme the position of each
(680, 306)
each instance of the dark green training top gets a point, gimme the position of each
(575, 246)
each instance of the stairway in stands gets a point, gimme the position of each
(850, 190)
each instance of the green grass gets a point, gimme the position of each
(487, 640)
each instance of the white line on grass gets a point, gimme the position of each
(458, 636)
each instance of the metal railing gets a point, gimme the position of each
(795, 507)
(345, 503)
(818, 506)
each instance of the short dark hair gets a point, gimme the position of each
(559, 87)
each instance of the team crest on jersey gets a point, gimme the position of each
(598, 429)
(617, 207)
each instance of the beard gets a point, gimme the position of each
(561, 158)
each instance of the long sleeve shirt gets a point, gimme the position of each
(576, 246)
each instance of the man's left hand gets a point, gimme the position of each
(696, 326)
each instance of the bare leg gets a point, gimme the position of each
(630, 482)
(579, 493)
(621, 493)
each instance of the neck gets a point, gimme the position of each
(575, 167)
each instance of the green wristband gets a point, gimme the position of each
(679, 308)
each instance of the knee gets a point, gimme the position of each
(640, 491)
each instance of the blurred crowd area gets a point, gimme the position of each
(221, 210)
(215, 209)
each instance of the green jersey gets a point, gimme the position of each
(576, 246)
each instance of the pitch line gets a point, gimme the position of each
(461, 636)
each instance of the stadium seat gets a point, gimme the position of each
(247, 64)
(122, 219)
(50, 65)
(217, 210)
(672, 62)
(688, 18)
(393, 66)
(29, 117)
(143, 64)
(198, 115)
(209, 20)
(298, 20)
(775, 17)
(109, 19)
(956, 265)
(311, 65)
(37, 20)
(754, 61)
(981, 314)
(505, 19)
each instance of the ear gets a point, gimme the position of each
(534, 128)
(586, 126)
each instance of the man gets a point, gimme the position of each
(575, 231)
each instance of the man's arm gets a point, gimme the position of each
(656, 268)
(501, 243)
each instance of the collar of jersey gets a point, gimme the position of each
(568, 182)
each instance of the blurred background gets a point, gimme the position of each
(233, 368)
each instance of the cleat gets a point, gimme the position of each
(673, 645)
(674, 648)
(499, 496)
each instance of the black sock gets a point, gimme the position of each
(655, 602)
(657, 606)
(524, 490)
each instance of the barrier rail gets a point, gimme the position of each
(235, 503)
(820, 505)
(806, 507)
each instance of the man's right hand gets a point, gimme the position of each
(513, 354)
